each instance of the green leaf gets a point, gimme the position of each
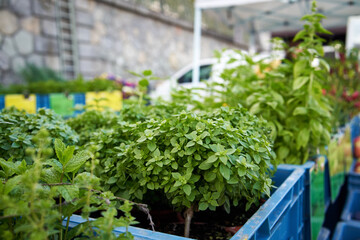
(112, 180)
(147, 73)
(230, 151)
(200, 126)
(68, 192)
(324, 64)
(303, 138)
(225, 171)
(21, 167)
(59, 149)
(255, 109)
(190, 144)
(151, 146)
(190, 151)
(77, 161)
(299, 68)
(283, 152)
(176, 175)
(67, 154)
(300, 111)
(209, 176)
(320, 29)
(144, 82)
(212, 159)
(174, 165)
(54, 163)
(150, 185)
(141, 139)
(224, 159)
(8, 166)
(214, 147)
(50, 175)
(205, 165)
(11, 184)
(299, 82)
(157, 153)
(241, 171)
(177, 184)
(187, 189)
(316, 127)
(15, 145)
(299, 35)
(203, 206)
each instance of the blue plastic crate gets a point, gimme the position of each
(354, 129)
(324, 234)
(42, 101)
(2, 102)
(351, 211)
(285, 215)
(138, 233)
(347, 231)
(79, 100)
(354, 178)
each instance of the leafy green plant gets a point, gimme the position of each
(199, 161)
(17, 129)
(33, 73)
(28, 206)
(342, 87)
(289, 96)
(86, 123)
(53, 86)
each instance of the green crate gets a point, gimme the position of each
(62, 104)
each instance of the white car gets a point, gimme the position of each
(183, 78)
(210, 70)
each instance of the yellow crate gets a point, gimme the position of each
(101, 100)
(20, 102)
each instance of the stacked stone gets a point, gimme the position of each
(27, 35)
(111, 38)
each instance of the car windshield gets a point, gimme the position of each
(205, 72)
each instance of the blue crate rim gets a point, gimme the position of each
(254, 223)
(341, 225)
(346, 214)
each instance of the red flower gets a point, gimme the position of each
(355, 95)
(323, 91)
(357, 104)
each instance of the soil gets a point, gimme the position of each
(205, 225)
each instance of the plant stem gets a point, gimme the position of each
(189, 213)
(67, 226)
(60, 205)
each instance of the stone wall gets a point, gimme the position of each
(26, 36)
(110, 39)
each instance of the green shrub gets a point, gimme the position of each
(78, 85)
(199, 161)
(90, 121)
(35, 199)
(287, 94)
(18, 128)
(32, 73)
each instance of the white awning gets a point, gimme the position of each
(205, 4)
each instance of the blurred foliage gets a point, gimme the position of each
(17, 129)
(343, 85)
(32, 73)
(52, 86)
